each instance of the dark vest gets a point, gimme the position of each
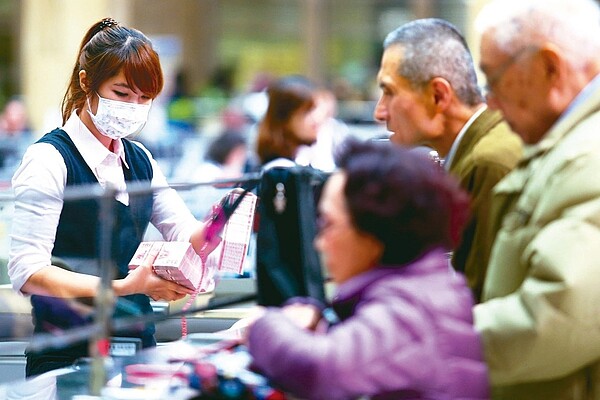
(78, 235)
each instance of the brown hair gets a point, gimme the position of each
(287, 96)
(106, 49)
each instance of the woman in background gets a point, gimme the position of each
(404, 326)
(224, 159)
(288, 123)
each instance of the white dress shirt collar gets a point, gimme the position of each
(449, 158)
(93, 152)
(107, 166)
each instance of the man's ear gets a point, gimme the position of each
(83, 81)
(441, 91)
(552, 62)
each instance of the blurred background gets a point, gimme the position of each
(215, 53)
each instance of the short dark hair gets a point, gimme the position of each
(433, 47)
(402, 198)
(220, 148)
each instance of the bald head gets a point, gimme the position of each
(571, 25)
(537, 56)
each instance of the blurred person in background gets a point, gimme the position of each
(14, 120)
(253, 102)
(403, 324)
(181, 109)
(430, 97)
(225, 158)
(247, 108)
(289, 122)
(539, 317)
(115, 79)
(331, 133)
(15, 136)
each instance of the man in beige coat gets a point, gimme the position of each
(430, 97)
(540, 319)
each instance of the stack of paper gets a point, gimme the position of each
(236, 235)
(176, 261)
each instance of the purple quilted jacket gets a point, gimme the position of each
(405, 333)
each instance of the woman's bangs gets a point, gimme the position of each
(142, 70)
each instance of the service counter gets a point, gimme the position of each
(163, 372)
(200, 366)
(168, 333)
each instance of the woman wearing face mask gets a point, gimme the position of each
(113, 83)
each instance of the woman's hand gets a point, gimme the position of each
(305, 316)
(243, 325)
(215, 224)
(199, 244)
(144, 280)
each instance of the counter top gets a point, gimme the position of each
(167, 371)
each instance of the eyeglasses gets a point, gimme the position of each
(325, 224)
(494, 79)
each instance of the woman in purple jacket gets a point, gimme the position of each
(404, 327)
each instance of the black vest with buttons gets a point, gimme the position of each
(78, 235)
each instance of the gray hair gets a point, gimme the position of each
(435, 48)
(573, 26)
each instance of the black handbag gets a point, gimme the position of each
(287, 264)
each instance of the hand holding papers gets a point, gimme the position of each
(237, 209)
(232, 217)
(176, 261)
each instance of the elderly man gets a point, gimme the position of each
(540, 318)
(430, 97)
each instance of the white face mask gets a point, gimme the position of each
(119, 119)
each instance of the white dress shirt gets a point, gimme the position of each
(39, 185)
(450, 157)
